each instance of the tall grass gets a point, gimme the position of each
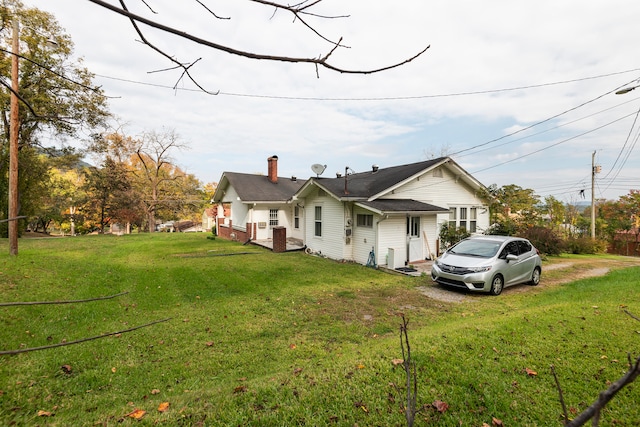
(257, 338)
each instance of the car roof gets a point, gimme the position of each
(495, 238)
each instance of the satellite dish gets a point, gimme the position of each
(318, 169)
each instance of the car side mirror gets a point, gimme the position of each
(511, 257)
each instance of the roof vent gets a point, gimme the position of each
(338, 175)
(374, 168)
(294, 178)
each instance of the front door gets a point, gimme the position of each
(414, 241)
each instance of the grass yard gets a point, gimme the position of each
(263, 339)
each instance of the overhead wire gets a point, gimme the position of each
(382, 98)
(493, 91)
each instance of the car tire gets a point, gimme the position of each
(497, 284)
(535, 277)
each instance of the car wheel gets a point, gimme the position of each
(496, 285)
(535, 276)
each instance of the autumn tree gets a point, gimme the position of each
(163, 187)
(512, 208)
(621, 218)
(105, 186)
(59, 203)
(56, 95)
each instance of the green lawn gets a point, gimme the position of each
(264, 339)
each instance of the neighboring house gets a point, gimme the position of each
(209, 219)
(187, 227)
(394, 213)
(249, 206)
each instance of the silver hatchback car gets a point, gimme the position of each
(488, 264)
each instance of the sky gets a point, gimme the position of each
(515, 92)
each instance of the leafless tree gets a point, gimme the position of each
(302, 12)
(154, 168)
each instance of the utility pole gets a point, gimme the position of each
(594, 170)
(14, 125)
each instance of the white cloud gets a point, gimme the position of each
(475, 47)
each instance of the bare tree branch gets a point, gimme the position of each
(564, 406)
(210, 11)
(11, 304)
(62, 344)
(410, 373)
(297, 11)
(184, 67)
(633, 316)
(593, 411)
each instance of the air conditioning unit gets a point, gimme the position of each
(262, 225)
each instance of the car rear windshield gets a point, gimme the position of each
(477, 248)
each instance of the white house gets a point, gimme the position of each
(250, 206)
(392, 215)
(386, 216)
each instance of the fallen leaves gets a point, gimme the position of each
(163, 406)
(440, 406)
(240, 389)
(136, 414)
(531, 372)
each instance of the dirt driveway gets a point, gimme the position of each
(553, 273)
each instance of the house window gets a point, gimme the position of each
(364, 220)
(413, 226)
(296, 217)
(473, 220)
(463, 218)
(273, 217)
(318, 221)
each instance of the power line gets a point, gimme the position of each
(390, 98)
(537, 133)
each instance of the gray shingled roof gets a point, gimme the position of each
(401, 205)
(368, 184)
(258, 188)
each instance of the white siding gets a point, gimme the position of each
(444, 191)
(363, 238)
(299, 232)
(239, 211)
(440, 191)
(332, 241)
(392, 233)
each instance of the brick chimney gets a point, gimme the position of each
(273, 169)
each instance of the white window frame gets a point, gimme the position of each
(317, 217)
(364, 220)
(273, 217)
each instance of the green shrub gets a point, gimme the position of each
(585, 245)
(450, 235)
(545, 240)
(507, 228)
